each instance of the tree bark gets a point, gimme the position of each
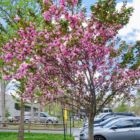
(3, 102)
(91, 126)
(32, 111)
(92, 108)
(21, 125)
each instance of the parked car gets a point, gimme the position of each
(113, 114)
(127, 128)
(101, 124)
(106, 110)
(10, 119)
(27, 118)
(13, 119)
(38, 117)
(104, 116)
(41, 117)
(97, 119)
(51, 119)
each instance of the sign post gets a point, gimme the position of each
(65, 118)
(64, 124)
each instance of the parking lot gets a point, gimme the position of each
(113, 126)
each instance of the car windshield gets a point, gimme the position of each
(109, 124)
(107, 121)
(101, 115)
(45, 113)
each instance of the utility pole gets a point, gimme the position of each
(64, 123)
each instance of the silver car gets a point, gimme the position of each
(101, 124)
(41, 117)
(127, 128)
(38, 117)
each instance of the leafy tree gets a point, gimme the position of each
(131, 55)
(10, 10)
(122, 107)
(71, 51)
(27, 10)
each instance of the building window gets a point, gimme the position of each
(17, 106)
(35, 109)
(27, 108)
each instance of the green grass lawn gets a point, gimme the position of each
(33, 136)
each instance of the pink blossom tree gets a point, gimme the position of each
(72, 51)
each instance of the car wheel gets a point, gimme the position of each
(26, 121)
(99, 138)
(11, 121)
(50, 121)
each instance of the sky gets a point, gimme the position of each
(130, 32)
(88, 3)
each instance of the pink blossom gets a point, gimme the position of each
(62, 2)
(53, 9)
(8, 57)
(17, 18)
(7, 77)
(46, 1)
(47, 16)
(75, 2)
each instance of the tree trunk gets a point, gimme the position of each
(21, 125)
(39, 110)
(92, 105)
(3, 102)
(32, 116)
(32, 111)
(91, 126)
(49, 109)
